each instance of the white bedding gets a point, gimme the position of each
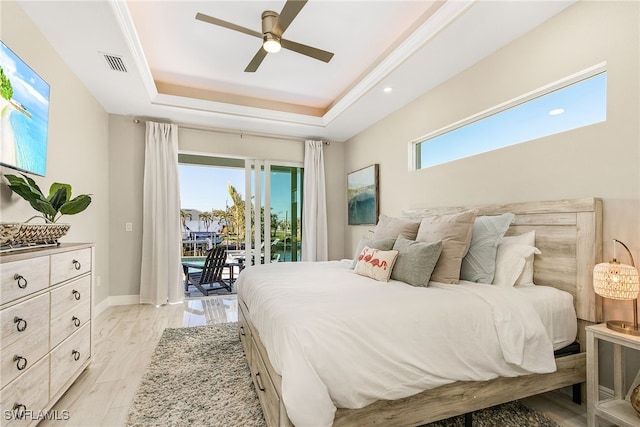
(340, 339)
(556, 311)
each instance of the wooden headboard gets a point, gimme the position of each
(569, 235)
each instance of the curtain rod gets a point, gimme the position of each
(137, 120)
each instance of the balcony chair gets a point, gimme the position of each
(209, 277)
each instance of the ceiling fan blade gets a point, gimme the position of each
(256, 61)
(289, 12)
(219, 22)
(313, 52)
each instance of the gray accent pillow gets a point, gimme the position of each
(416, 261)
(390, 227)
(479, 264)
(382, 244)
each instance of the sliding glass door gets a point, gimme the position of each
(274, 210)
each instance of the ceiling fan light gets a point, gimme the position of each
(271, 43)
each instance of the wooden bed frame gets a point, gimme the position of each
(569, 235)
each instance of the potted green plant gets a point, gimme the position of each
(58, 203)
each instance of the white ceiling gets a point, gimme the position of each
(192, 72)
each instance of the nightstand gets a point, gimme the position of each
(616, 409)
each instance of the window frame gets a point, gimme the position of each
(414, 145)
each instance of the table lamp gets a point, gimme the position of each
(619, 281)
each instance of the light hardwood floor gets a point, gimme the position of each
(126, 336)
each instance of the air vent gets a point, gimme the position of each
(115, 62)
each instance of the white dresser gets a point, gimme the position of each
(45, 328)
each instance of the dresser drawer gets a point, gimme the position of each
(27, 396)
(21, 278)
(70, 308)
(67, 265)
(19, 357)
(69, 322)
(69, 357)
(18, 321)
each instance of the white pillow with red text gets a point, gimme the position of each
(375, 263)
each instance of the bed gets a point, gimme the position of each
(310, 344)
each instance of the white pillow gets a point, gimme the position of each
(510, 263)
(529, 238)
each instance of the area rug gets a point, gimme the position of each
(198, 376)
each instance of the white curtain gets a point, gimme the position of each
(315, 245)
(160, 272)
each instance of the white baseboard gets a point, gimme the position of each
(115, 300)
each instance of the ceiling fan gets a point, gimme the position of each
(273, 26)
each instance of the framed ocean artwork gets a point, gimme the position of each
(362, 196)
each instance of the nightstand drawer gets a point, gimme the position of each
(21, 278)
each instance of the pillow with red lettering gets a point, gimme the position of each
(375, 263)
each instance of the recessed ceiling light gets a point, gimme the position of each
(556, 111)
(387, 89)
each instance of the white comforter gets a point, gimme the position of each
(342, 340)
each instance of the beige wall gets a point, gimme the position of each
(126, 155)
(77, 144)
(601, 160)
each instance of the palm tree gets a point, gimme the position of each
(183, 218)
(221, 215)
(236, 212)
(206, 218)
(274, 224)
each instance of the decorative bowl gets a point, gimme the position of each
(20, 233)
(8, 232)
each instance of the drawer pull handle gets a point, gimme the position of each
(76, 264)
(242, 331)
(21, 362)
(22, 282)
(76, 321)
(21, 324)
(19, 410)
(76, 295)
(76, 355)
(259, 381)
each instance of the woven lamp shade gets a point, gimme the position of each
(616, 281)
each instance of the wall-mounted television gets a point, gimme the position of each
(24, 115)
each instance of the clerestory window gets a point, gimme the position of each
(577, 101)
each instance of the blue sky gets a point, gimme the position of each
(582, 104)
(205, 188)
